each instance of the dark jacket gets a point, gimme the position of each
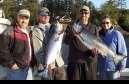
(14, 48)
(77, 51)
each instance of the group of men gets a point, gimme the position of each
(22, 48)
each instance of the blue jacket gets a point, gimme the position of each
(115, 41)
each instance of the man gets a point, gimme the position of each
(82, 62)
(3, 25)
(41, 35)
(15, 48)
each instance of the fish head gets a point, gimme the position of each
(58, 27)
(77, 27)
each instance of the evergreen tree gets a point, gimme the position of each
(7, 6)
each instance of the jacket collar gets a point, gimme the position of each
(109, 31)
(17, 29)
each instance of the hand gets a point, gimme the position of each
(14, 67)
(95, 51)
(50, 65)
(120, 70)
(74, 32)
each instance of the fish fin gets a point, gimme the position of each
(44, 74)
(118, 58)
(103, 55)
(39, 74)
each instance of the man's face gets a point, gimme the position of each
(44, 18)
(84, 15)
(23, 21)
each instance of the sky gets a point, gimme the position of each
(97, 3)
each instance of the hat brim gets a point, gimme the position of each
(84, 9)
(24, 15)
(43, 12)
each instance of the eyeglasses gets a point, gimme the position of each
(45, 14)
(105, 22)
(84, 13)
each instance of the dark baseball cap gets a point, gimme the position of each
(84, 7)
(43, 11)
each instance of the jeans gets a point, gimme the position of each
(109, 75)
(19, 74)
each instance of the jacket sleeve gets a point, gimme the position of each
(6, 56)
(122, 50)
(38, 44)
(68, 38)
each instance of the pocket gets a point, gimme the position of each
(19, 46)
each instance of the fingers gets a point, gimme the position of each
(74, 32)
(49, 66)
(95, 51)
(120, 71)
(14, 67)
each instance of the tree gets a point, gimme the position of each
(7, 6)
(111, 8)
(124, 19)
(122, 4)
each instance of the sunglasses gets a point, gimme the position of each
(45, 14)
(105, 23)
(84, 13)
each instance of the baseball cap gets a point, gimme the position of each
(43, 11)
(24, 12)
(84, 7)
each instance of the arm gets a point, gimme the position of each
(6, 56)
(38, 44)
(95, 51)
(122, 50)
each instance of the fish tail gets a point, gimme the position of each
(118, 58)
(39, 74)
(44, 74)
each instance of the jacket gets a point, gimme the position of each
(41, 37)
(115, 41)
(78, 52)
(14, 48)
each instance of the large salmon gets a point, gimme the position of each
(91, 41)
(53, 49)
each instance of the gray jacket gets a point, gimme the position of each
(40, 36)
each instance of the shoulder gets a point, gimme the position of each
(71, 23)
(37, 31)
(93, 29)
(36, 28)
(92, 25)
(118, 33)
(8, 30)
(9, 27)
